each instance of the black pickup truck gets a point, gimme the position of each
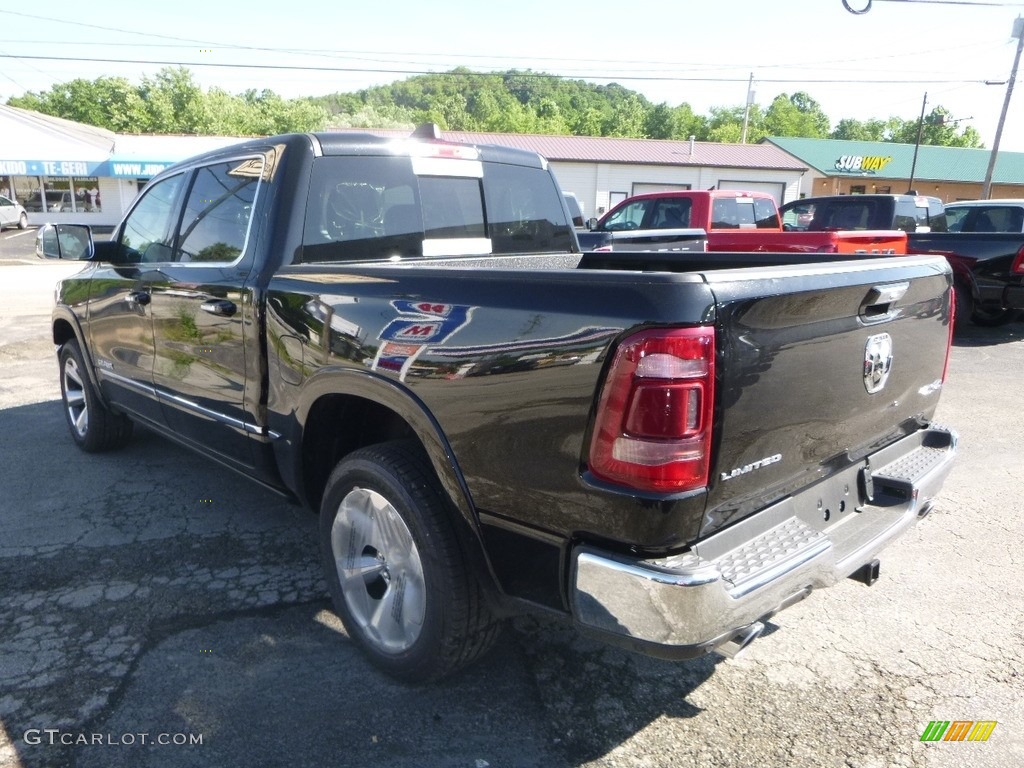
(988, 269)
(988, 264)
(404, 335)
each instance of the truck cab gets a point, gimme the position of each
(909, 213)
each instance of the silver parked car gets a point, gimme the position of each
(12, 214)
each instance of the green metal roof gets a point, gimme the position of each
(885, 160)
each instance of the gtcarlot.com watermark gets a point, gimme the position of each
(57, 737)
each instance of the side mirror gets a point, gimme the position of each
(72, 242)
(591, 223)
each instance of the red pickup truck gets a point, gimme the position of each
(728, 220)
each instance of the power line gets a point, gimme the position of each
(867, 4)
(519, 73)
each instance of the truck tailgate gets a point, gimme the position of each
(820, 366)
(880, 242)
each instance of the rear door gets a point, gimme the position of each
(205, 371)
(816, 376)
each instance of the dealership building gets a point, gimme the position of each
(865, 167)
(63, 171)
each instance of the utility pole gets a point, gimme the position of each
(917, 145)
(746, 111)
(1018, 32)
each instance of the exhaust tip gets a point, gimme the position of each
(867, 573)
(732, 647)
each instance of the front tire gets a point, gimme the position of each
(397, 574)
(93, 426)
(23, 221)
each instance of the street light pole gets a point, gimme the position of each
(917, 146)
(1018, 32)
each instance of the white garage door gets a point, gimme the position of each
(639, 189)
(774, 188)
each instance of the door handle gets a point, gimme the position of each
(221, 307)
(142, 298)
(880, 302)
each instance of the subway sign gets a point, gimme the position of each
(862, 163)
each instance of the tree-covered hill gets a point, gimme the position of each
(516, 101)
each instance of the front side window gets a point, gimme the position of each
(629, 216)
(146, 236)
(955, 219)
(217, 212)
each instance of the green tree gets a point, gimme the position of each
(857, 130)
(796, 115)
(725, 124)
(107, 102)
(175, 102)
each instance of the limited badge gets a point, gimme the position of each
(877, 362)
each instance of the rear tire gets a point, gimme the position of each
(398, 576)
(93, 426)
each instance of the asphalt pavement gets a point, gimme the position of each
(159, 610)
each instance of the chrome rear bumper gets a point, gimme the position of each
(691, 603)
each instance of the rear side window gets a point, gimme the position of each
(218, 209)
(994, 219)
(671, 213)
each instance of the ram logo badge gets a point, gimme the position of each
(877, 362)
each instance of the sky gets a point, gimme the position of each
(878, 64)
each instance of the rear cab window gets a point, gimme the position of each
(744, 213)
(381, 207)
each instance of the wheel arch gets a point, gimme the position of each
(67, 328)
(372, 409)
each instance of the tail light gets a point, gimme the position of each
(653, 426)
(952, 325)
(1018, 263)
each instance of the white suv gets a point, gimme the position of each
(12, 214)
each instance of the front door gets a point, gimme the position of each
(120, 316)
